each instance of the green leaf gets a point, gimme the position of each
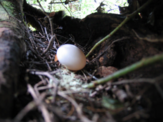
(111, 103)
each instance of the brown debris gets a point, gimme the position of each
(105, 71)
(134, 97)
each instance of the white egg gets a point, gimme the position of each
(71, 57)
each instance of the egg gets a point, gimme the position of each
(71, 57)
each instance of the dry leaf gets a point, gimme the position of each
(105, 71)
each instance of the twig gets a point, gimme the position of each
(45, 74)
(49, 68)
(117, 28)
(143, 62)
(62, 2)
(141, 80)
(40, 104)
(77, 107)
(67, 8)
(46, 34)
(148, 80)
(50, 43)
(55, 86)
(135, 114)
(30, 106)
(36, 87)
(159, 89)
(50, 22)
(31, 48)
(123, 38)
(92, 76)
(45, 87)
(31, 38)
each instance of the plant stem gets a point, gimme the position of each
(143, 62)
(117, 28)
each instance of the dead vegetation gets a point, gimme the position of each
(47, 92)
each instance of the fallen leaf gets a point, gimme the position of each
(105, 71)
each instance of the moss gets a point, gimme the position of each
(68, 80)
(8, 5)
(8, 16)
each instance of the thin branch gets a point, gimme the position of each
(67, 8)
(141, 80)
(36, 87)
(50, 22)
(122, 72)
(55, 86)
(92, 76)
(147, 80)
(117, 28)
(135, 114)
(50, 43)
(77, 107)
(30, 106)
(45, 74)
(40, 104)
(123, 38)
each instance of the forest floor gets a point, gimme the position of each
(49, 92)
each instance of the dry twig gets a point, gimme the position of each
(40, 104)
(117, 28)
(133, 67)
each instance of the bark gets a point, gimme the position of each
(11, 48)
